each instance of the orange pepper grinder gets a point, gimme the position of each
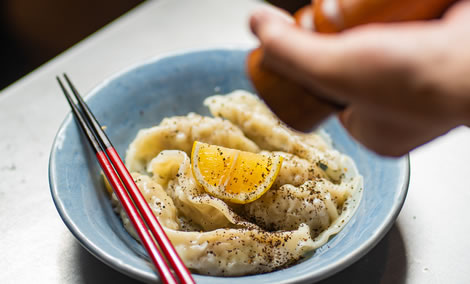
(299, 107)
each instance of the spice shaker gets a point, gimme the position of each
(300, 108)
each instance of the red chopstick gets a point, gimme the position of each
(115, 172)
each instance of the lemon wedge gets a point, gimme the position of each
(233, 175)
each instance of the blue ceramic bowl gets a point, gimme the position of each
(175, 85)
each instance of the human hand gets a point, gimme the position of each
(404, 83)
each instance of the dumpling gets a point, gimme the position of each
(179, 133)
(159, 202)
(287, 207)
(316, 191)
(236, 252)
(225, 251)
(260, 125)
(192, 201)
(295, 170)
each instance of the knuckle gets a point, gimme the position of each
(271, 38)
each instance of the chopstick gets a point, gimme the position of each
(117, 174)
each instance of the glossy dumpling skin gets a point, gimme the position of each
(236, 252)
(199, 209)
(259, 124)
(225, 251)
(179, 133)
(315, 194)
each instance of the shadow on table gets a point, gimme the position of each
(92, 270)
(384, 264)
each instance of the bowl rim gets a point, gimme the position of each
(141, 275)
(378, 234)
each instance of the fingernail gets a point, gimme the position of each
(278, 14)
(268, 14)
(256, 20)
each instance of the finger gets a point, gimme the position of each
(379, 136)
(333, 64)
(383, 135)
(280, 38)
(269, 11)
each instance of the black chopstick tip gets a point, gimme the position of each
(62, 86)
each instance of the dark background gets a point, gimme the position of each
(32, 32)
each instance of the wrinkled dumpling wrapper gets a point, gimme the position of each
(179, 133)
(315, 194)
(259, 124)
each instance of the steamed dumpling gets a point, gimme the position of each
(179, 133)
(193, 202)
(259, 124)
(225, 251)
(236, 252)
(313, 197)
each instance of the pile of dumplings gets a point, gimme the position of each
(315, 194)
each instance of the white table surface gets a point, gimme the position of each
(430, 242)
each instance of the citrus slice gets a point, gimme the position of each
(233, 175)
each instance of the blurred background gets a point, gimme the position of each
(33, 32)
